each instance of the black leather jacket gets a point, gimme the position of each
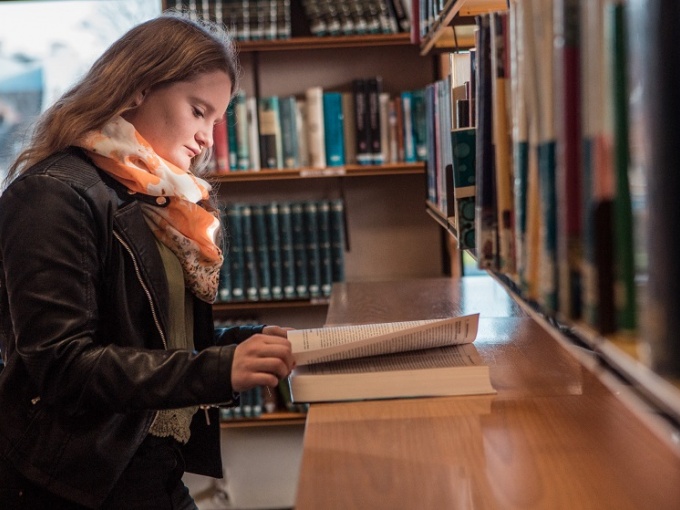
(83, 320)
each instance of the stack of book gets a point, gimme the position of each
(282, 250)
(355, 17)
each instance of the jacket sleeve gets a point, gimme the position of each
(236, 334)
(50, 245)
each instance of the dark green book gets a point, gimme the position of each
(262, 251)
(299, 250)
(236, 255)
(249, 256)
(325, 257)
(337, 231)
(275, 246)
(289, 139)
(311, 230)
(231, 136)
(224, 286)
(287, 251)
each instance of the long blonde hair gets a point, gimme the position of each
(164, 50)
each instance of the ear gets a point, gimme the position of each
(139, 98)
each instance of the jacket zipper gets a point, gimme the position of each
(153, 311)
(144, 287)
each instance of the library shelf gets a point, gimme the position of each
(275, 419)
(314, 173)
(327, 42)
(444, 222)
(230, 306)
(458, 13)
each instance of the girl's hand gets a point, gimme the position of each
(262, 360)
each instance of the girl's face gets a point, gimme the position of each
(178, 119)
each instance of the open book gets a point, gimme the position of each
(388, 360)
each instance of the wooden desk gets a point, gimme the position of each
(553, 437)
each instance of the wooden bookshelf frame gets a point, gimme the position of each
(232, 306)
(459, 13)
(275, 419)
(315, 173)
(325, 42)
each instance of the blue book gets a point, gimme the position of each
(274, 239)
(249, 256)
(236, 255)
(407, 126)
(231, 135)
(334, 137)
(289, 139)
(242, 142)
(312, 243)
(299, 250)
(262, 251)
(419, 119)
(337, 230)
(325, 257)
(287, 251)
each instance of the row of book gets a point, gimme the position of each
(247, 20)
(255, 402)
(550, 150)
(325, 128)
(356, 17)
(254, 20)
(282, 250)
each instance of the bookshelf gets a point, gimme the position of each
(622, 351)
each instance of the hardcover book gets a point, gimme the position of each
(388, 360)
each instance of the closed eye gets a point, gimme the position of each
(198, 113)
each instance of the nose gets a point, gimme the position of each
(204, 138)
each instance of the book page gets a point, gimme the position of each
(443, 357)
(343, 342)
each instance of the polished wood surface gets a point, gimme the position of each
(553, 437)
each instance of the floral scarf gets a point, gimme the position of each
(181, 222)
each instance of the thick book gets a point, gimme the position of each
(388, 360)
(316, 143)
(271, 149)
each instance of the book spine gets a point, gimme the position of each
(374, 89)
(624, 263)
(325, 256)
(249, 254)
(236, 254)
(363, 141)
(333, 129)
(315, 127)
(231, 135)
(349, 128)
(654, 52)
(287, 251)
(299, 250)
(384, 111)
(224, 285)
(289, 139)
(486, 218)
(419, 120)
(271, 151)
(407, 115)
(275, 248)
(311, 235)
(242, 143)
(221, 147)
(338, 241)
(253, 133)
(262, 252)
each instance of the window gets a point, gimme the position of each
(45, 46)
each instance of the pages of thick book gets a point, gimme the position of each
(388, 360)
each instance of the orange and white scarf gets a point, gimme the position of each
(183, 225)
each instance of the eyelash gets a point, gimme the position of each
(198, 113)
